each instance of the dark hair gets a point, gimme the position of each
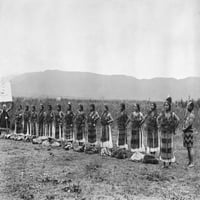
(106, 107)
(169, 100)
(81, 106)
(59, 106)
(191, 103)
(50, 107)
(123, 106)
(154, 105)
(138, 106)
(93, 106)
(169, 104)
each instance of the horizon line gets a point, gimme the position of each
(126, 75)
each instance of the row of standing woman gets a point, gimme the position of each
(62, 125)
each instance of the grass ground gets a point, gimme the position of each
(30, 171)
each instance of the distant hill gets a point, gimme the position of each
(54, 83)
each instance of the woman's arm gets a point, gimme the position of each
(158, 120)
(110, 119)
(11, 106)
(177, 119)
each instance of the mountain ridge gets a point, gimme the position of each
(88, 85)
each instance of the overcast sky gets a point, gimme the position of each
(141, 38)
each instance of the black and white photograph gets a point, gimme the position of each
(99, 100)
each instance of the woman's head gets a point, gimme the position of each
(167, 106)
(190, 106)
(153, 106)
(80, 107)
(69, 106)
(20, 107)
(27, 107)
(122, 106)
(92, 107)
(33, 108)
(4, 107)
(136, 107)
(58, 107)
(49, 107)
(41, 107)
(106, 108)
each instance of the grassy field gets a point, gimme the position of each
(30, 171)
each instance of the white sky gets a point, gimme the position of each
(141, 38)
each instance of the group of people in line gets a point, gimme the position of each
(81, 127)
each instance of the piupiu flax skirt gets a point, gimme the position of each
(58, 131)
(18, 127)
(152, 140)
(34, 128)
(26, 128)
(41, 129)
(80, 133)
(106, 138)
(49, 129)
(92, 136)
(69, 133)
(137, 140)
(166, 147)
(122, 138)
